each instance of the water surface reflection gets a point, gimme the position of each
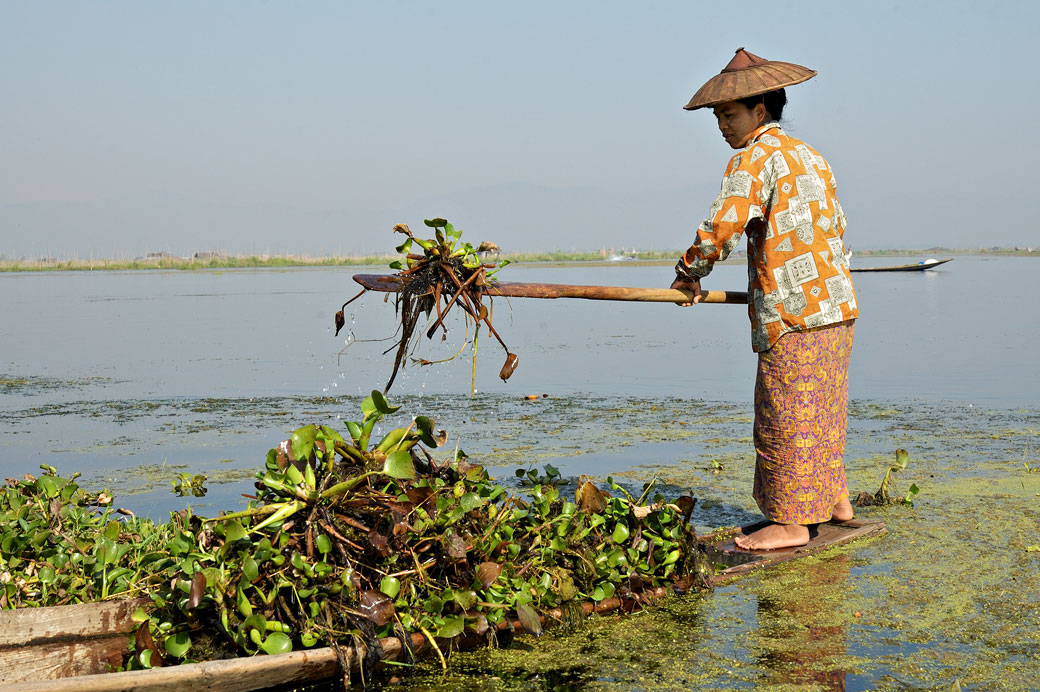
(801, 632)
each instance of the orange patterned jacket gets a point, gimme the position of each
(781, 193)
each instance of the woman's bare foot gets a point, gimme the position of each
(842, 511)
(774, 536)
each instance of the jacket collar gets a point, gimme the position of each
(760, 132)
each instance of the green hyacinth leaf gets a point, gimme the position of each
(323, 544)
(277, 643)
(381, 404)
(452, 626)
(426, 432)
(303, 441)
(391, 586)
(234, 531)
(399, 465)
(178, 644)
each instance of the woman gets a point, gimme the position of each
(780, 193)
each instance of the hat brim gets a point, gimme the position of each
(752, 81)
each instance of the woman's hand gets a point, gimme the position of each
(691, 285)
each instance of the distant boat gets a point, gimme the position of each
(920, 266)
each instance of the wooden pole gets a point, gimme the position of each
(391, 283)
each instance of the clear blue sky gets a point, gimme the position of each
(313, 127)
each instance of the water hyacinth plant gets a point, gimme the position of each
(448, 272)
(350, 539)
(883, 495)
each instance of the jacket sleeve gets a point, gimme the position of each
(839, 213)
(739, 203)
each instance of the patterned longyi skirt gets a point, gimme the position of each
(801, 415)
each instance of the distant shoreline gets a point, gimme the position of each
(220, 261)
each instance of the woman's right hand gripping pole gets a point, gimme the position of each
(690, 286)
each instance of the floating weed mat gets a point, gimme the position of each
(33, 384)
(349, 540)
(448, 273)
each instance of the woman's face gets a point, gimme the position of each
(737, 122)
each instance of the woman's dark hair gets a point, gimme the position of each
(774, 101)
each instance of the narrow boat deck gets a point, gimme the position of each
(733, 561)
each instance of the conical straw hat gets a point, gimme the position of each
(747, 75)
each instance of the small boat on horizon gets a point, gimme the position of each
(920, 266)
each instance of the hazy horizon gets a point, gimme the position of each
(610, 254)
(311, 129)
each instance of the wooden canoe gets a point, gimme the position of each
(390, 283)
(919, 267)
(69, 648)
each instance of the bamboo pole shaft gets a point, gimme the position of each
(391, 283)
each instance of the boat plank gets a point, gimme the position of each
(47, 662)
(64, 641)
(827, 535)
(26, 626)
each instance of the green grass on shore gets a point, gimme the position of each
(188, 263)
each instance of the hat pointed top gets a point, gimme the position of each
(747, 75)
(742, 60)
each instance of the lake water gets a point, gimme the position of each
(135, 377)
(964, 332)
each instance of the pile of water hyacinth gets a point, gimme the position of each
(348, 539)
(448, 272)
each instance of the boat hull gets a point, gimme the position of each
(919, 267)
